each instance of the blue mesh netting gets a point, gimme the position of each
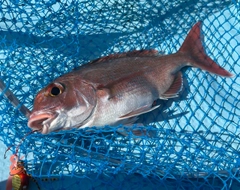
(197, 142)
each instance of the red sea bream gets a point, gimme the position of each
(115, 89)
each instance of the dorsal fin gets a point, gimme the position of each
(135, 53)
(142, 53)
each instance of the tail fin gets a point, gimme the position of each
(192, 46)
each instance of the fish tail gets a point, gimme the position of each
(192, 47)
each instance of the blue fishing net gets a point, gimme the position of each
(197, 134)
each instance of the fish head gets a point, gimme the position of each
(63, 104)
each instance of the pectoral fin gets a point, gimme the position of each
(139, 111)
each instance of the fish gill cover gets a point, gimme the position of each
(197, 134)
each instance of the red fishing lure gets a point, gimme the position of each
(18, 178)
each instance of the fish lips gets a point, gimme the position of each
(41, 121)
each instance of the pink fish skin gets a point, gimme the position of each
(115, 89)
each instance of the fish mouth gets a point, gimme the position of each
(41, 122)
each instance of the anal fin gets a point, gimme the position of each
(175, 88)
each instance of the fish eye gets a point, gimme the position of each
(55, 89)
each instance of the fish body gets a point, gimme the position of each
(115, 89)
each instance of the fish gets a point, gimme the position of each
(115, 89)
